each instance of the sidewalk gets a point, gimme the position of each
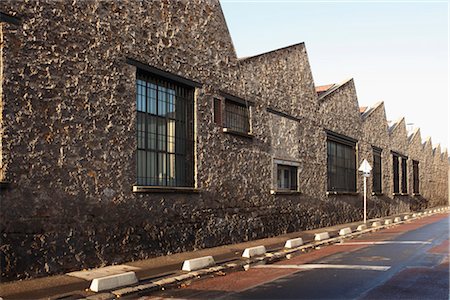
(69, 287)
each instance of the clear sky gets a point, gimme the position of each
(397, 52)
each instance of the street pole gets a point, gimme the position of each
(365, 168)
(365, 198)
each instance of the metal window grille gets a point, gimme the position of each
(237, 116)
(377, 182)
(286, 177)
(341, 167)
(404, 176)
(395, 169)
(416, 177)
(165, 147)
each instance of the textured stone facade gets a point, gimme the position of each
(68, 138)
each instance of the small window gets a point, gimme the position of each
(286, 177)
(237, 116)
(416, 177)
(377, 171)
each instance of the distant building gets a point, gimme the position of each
(130, 129)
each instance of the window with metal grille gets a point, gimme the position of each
(395, 171)
(416, 177)
(165, 147)
(404, 176)
(237, 116)
(341, 165)
(376, 180)
(286, 177)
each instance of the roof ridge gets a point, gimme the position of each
(270, 52)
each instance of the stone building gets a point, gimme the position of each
(131, 129)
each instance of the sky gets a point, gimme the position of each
(396, 52)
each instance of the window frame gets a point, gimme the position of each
(404, 179)
(416, 177)
(341, 169)
(175, 142)
(292, 177)
(230, 117)
(377, 172)
(293, 168)
(396, 173)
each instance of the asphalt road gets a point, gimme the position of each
(409, 261)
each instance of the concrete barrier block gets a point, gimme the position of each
(406, 217)
(345, 231)
(254, 251)
(113, 281)
(397, 219)
(321, 236)
(292, 243)
(387, 221)
(362, 227)
(376, 224)
(198, 263)
(415, 215)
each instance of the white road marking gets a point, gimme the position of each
(325, 266)
(383, 243)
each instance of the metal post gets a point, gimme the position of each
(365, 198)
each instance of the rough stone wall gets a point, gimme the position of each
(398, 138)
(69, 136)
(425, 172)
(69, 142)
(292, 94)
(438, 182)
(340, 111)
(2, 175)
(399, 143)
(375, 133)
(415, 152)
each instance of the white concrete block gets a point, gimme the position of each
(415, 215)
(293, 243)
(362, 227)
(406, 217)
(198, 263)
(345, 231)
(113, 281)
(387, 221)
(397, 219)
(321, 236)
(376, 224)
(254, 251)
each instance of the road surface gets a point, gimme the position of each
(408, 261)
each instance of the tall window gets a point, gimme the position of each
(404, 176)
(395, 170)
(164, 132)
(237, 116)
(341, 164)
(377, 171)
(286, 177)
(416, 177)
